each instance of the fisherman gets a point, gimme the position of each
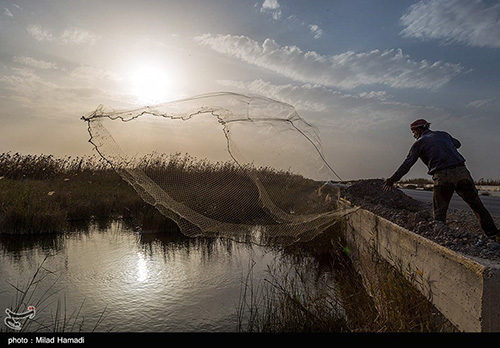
(438, 151)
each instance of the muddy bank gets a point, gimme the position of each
(462, 232)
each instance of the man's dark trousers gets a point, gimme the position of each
(459, 180)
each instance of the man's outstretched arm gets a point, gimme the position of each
(403, 169)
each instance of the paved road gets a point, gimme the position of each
(492, 203)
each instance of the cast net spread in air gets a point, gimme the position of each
(223, 164)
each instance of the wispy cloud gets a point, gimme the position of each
(486, 104)
(75, 36)
(25, 87)
(39, 34)
(473, 23)
(33, 63)
(353, 112)
(91, 73)
(7, 13)
(316, 31)
(346, 71)
(78, 36)
(296, 95)
(271, 7)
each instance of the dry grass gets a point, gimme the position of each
(42, 194)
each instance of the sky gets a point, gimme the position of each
(359, 70)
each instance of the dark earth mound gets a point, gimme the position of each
(462, 232)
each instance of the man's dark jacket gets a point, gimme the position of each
(438, 151)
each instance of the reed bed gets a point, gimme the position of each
(40, 167)
(44, 194)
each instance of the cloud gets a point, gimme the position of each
(271, 7)
(27, 87)
(24, 87)
(91, 73)
(291, 94)
(78, 36)
(380, 95)
(7, 13)
(33, 63)
(339, 110)
(473, 23)
(345, 71)
(316, 31)
(74, 36)
(486, 104)
(40, 34)
(349, 125)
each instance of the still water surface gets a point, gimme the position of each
(142, 282)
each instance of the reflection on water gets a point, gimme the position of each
(140, 281)
(142, 268)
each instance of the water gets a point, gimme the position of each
(136, 282)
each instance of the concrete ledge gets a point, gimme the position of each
(463, 289)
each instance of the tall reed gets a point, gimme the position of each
(328, 295)
(42, 194)
(51, 311)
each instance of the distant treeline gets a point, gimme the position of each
(424, 181)
(488, 182)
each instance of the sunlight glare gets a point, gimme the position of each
(142, 268)
(150, 84)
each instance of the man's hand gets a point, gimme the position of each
(388, 184)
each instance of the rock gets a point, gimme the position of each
(462, 233)
(493, 246)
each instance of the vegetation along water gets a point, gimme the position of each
(80, 245)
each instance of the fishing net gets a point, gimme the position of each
(223, 164)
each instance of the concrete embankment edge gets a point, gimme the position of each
(464, 289)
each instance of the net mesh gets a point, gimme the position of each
(223, 164)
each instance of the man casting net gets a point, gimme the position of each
(223, 164)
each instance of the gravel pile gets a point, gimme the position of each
(462, 232)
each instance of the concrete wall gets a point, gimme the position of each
(465, 290)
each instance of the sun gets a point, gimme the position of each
(150, 84)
